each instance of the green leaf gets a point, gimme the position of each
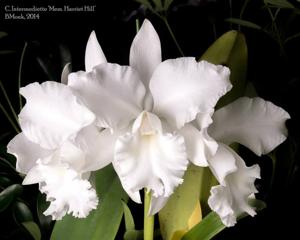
(211, 225)
(231, 50)
(3, 34)
(146, 3)
(129, 221)
(158, 5)
(41, 206)
(5, 182)
(206, 182)
(7, 163)
(134, 235)
(243, 23)
(8, 195)
(280, 3)
(22, 213)
(293, 37)
(250, 90)
(174, 217)
(257, 204)
(167, 4)
(139, 235)
(33, 229)
(102, 223)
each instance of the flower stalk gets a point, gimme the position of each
(172, 35)
(148, 219)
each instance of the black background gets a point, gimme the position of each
(276, 77)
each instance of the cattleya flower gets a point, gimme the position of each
(149, 119)
(57, 148)
(146, 110)
(256, 124)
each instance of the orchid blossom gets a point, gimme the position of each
(58, 147)
(256, 124)
(146, 110)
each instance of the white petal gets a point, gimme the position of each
(231, 198)
(71, 155)
(156, 162)
(98, 147)
(65, 190)
(203, 120)
(93, 53)
(222, 163)
(182, 87)
(156, 204)
(26, 152)
(52, 114)
(113, 92)
(221, 202)
(255, 123)
(147, 124)
(145, 52)
(200, 146)
(65, 73)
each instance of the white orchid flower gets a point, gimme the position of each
(147, 109)
(57, 148)
(256, 124)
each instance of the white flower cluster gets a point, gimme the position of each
(150, 120)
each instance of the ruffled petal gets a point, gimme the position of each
(66, 191)
(156, 162)
(93, 53)
(182, 87)
(143, 57)
(26, 152)
(156, 204)
(221, 202)
(231, 198)
(255, 123)
(199, 145)
(222, 163)
(113, 92)
(52, 114)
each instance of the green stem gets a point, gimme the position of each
(8, 101)
(243, 8)
(148, 220)
(20, 74)
(274, 25)
(9, 118)
(230, 11)
(172, 35)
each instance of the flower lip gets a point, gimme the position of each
(148, 158)
(147, 124)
